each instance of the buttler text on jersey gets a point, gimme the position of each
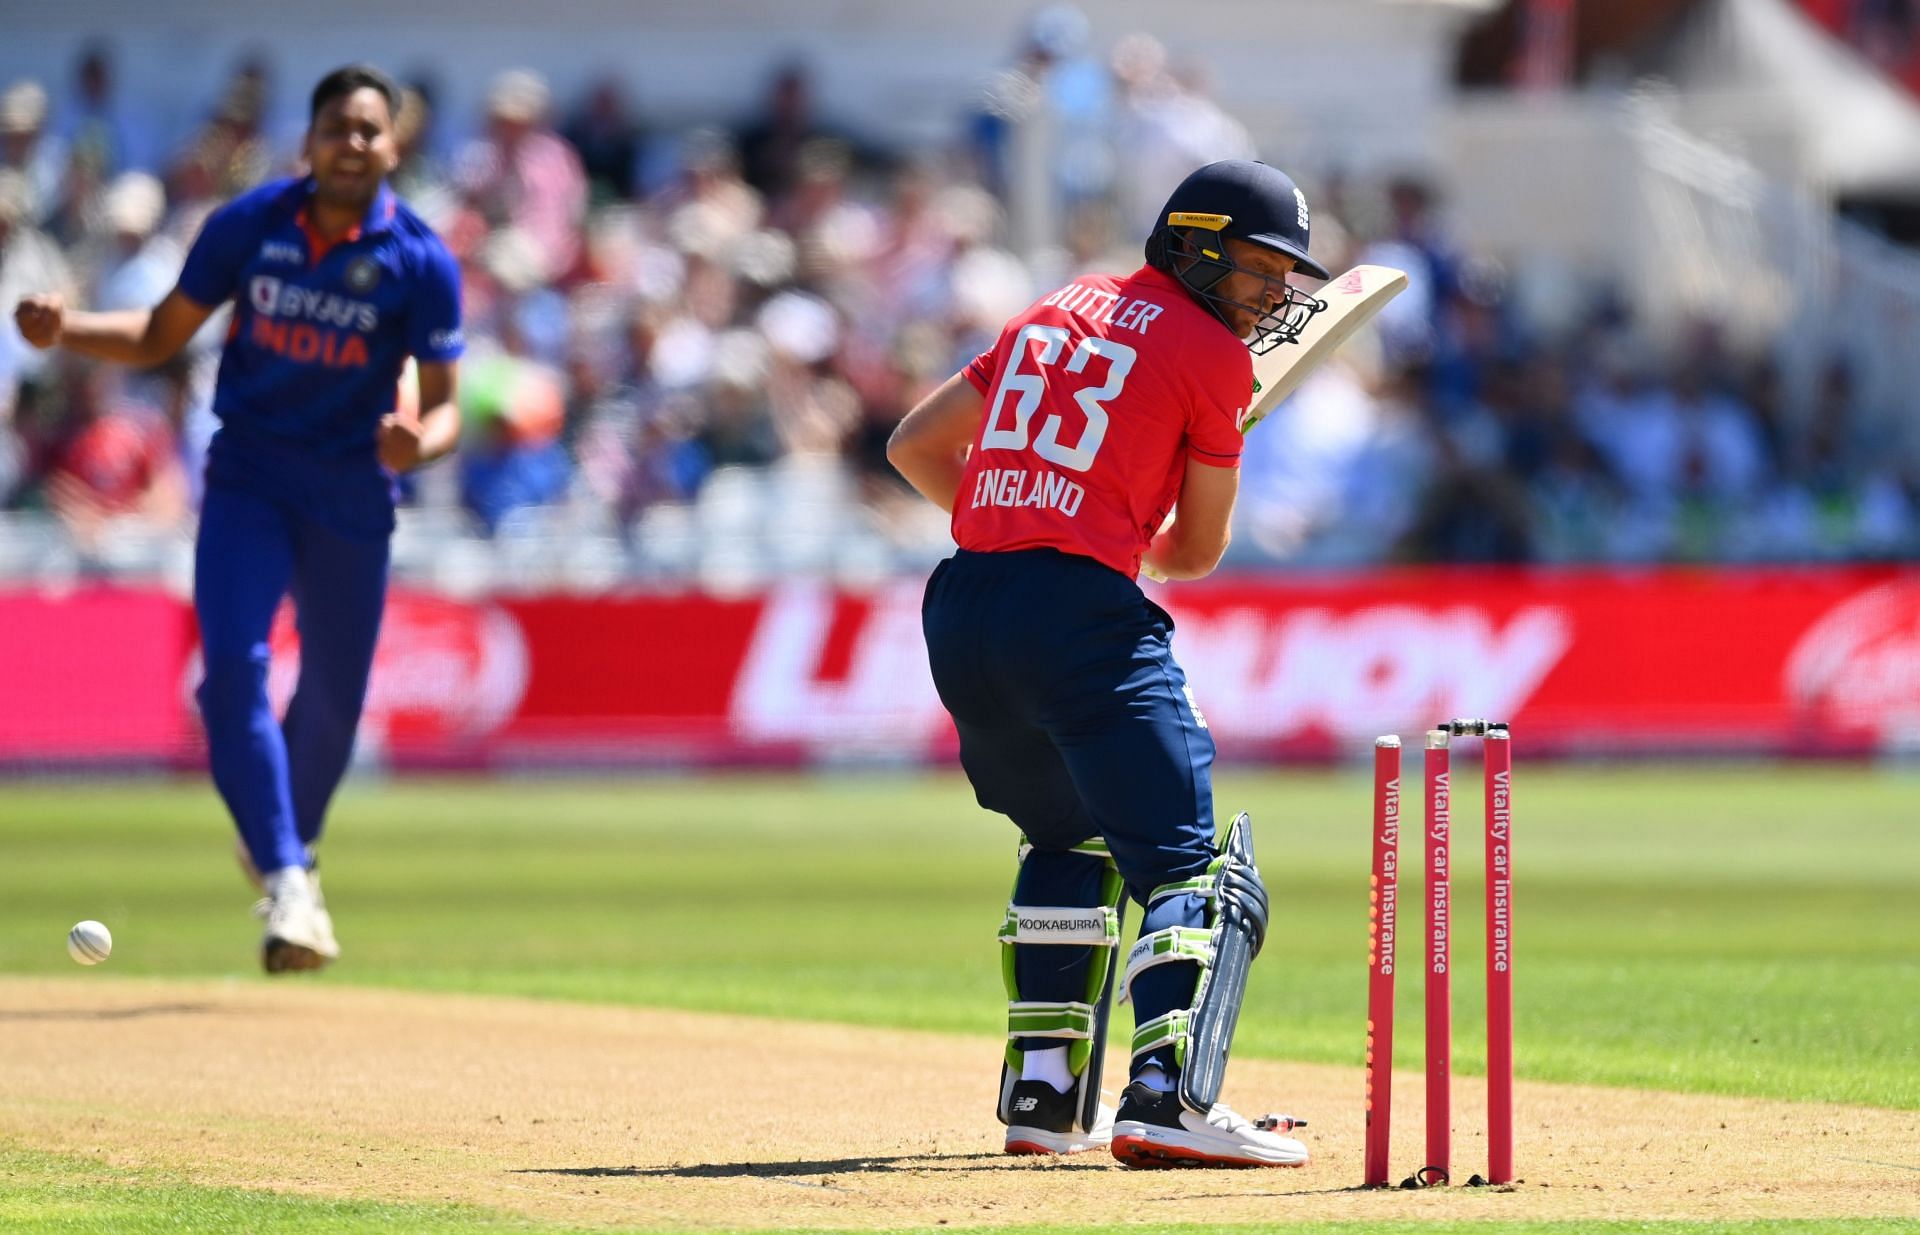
(1106, 308)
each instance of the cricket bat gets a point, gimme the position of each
(1352, 300)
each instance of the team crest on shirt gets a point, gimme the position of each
(363, 274)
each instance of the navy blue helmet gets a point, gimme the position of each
(1242, 200)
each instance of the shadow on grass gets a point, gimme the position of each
(826, 1166)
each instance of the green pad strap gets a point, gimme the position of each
(1050, 1020)
(1203, 885)
(1164, 947)
(1162, 1030)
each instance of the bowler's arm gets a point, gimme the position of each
(408, 442)
(141, 338)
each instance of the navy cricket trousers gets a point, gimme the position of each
(277, 777)
(1075, 721)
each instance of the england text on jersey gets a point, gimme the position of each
(1015, 487)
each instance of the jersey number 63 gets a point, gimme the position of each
(1009, 431)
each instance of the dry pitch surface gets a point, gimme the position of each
(601, 1115)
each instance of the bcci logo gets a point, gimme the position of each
(363, 275)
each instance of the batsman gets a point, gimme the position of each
(1103, 431)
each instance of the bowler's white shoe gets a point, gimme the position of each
(299, 932)
(1154, 1130)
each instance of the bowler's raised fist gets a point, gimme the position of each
(41, 318)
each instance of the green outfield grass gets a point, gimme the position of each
(1742, 930)
(44, 1193)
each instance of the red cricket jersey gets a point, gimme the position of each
(1096, 396)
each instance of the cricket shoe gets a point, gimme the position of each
(1043, 1120)
(299, 932)
(1154, 1130)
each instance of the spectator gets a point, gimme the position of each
(1167, 127)
(510, 454)
(1629, 421)
(419, 178)
(1413, 205)
(835, 235)
(94, 120)
(231, 153)
(709, 209)
(78, 217)
(140, 263)
(523, 174)
(814, 410)
(26, 149)
(770, 144)
(1765, 395)
(111, 461)
(1719, 453)
(1330, 475)
(737, 427)
(1470, 513)
(1826, 457)
(1059, 89)
(608, 139)
(29, 262)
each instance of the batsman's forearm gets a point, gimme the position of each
(1166, 563)
(124, 337)
(1175, 554)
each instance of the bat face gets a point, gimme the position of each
(1352, 300)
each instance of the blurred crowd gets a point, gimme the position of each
(688, 347)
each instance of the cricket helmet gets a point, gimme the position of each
(1242, 200)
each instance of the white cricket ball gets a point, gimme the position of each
(89, 943)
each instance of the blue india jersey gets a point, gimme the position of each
(319, 336)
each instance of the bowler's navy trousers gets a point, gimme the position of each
(253, 551)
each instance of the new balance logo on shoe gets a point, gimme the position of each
(1042, 1120)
